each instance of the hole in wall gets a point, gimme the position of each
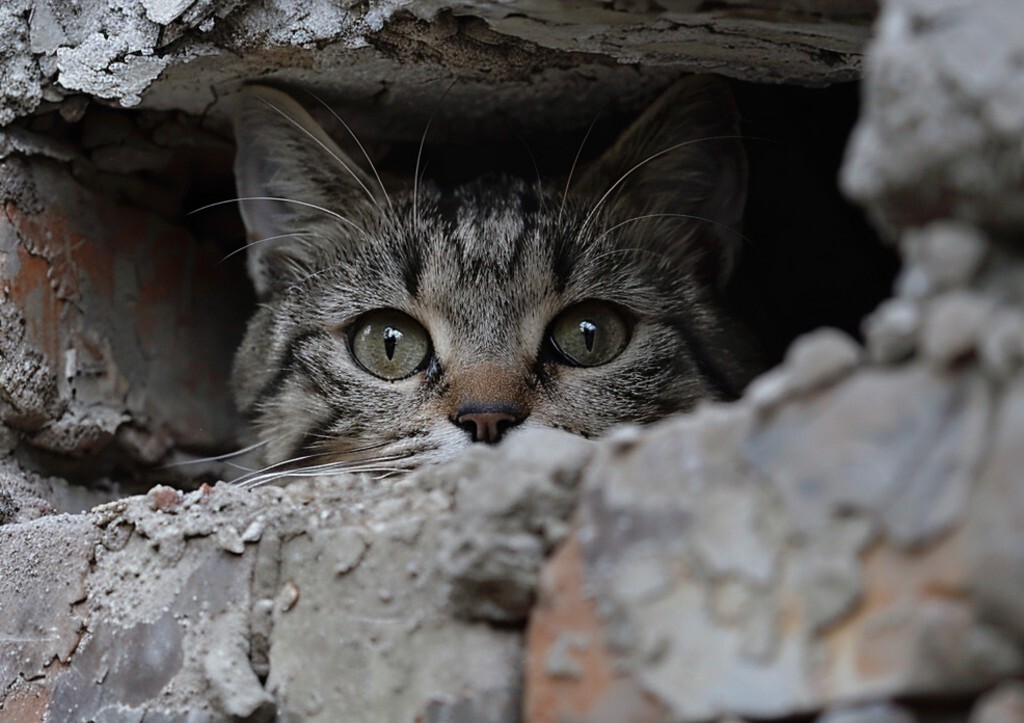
(811, 260)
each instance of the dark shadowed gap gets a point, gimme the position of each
(811, 260)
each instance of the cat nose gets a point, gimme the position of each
(488, 424)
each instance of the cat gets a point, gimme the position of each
(398, 329)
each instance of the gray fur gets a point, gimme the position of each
(485, 268)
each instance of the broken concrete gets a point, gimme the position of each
(178, 604)
(183, 54)
(810, 573)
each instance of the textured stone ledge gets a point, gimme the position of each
(377, 600)
(543, 62)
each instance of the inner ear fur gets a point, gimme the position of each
(292, 181)
(683, 156)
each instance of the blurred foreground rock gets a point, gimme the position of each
(853, 531)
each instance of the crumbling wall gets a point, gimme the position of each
(844, 542)
(116, 322)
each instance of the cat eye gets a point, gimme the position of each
(589, 333)
(389, 344)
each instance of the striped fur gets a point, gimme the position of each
(485, 268)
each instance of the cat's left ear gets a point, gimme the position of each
(680, 170)
(293, 181)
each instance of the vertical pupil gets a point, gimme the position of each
(589, 330)
(391, 338)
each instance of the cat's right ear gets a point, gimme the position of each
(677, 178)
(293, 183)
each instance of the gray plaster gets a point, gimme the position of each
(171, 53)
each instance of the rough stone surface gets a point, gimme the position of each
(953, 326)
(183, 54)
(1005, 704)
(106, 314)
(891, 331)
(944, 255)
(996, 559)
(807, 576)
(346, 574)
(41, 587)
(943, 115)
(873, 713)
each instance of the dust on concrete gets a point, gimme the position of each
(213, 600)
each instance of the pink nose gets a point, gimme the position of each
(488, 424)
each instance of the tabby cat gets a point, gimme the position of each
(398, 329)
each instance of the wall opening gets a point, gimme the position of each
(178, 299)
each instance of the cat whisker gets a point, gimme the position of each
(327, 438)
(306, 204)
(692, 217)
(315, 455)
(330, 469)
(660, 255)
(264, 240)
(355, 138)
(419, 154)
(337, 467)
(572, 168)
(653, 156)
(327, 149)
(217, 458)
(536, 169)
(277, 465)
(383, 473)
(310, 277)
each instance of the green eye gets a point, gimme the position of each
(389, 344)
(589, 333)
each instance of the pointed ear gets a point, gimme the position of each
(294, 183)
(682, 157)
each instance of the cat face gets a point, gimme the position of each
(397, 329)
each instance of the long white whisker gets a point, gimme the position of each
(338, 465)
(385, 471)
(692, 217)
(263, 240)
(218, 458)
(277, 465)
(355, 138)
(293, 460)
(326, 148)
(305, 204)
(313, 275)
(419, 154)
(633, 249)
(328, 469)
(572, 168)
(624, 176)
